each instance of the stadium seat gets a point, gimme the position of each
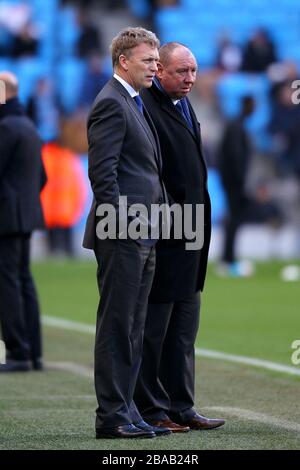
(69, 82)
(208, 18)
(217, 196)
(28, 72)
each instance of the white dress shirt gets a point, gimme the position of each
(126, 85)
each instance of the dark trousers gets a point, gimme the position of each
(125, 274)
(242, 210)
(232, 224)
(165, 385)
(19, 309)
(60, 241)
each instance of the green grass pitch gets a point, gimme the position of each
(257, 317)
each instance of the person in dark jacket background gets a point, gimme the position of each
(234, 159)
(22, 177)
(235, 153)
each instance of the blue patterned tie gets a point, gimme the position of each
(179, 106)
(139, 103)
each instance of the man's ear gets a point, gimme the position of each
(123, 62)
(159, 72)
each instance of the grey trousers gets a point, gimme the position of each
(125, 274)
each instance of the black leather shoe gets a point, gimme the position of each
(15, 366)
(171, 425)
(201, 423)
(37, 364)
(124, 431)
(147, 427)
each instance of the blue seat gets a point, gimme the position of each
(217, 196)
(207, 18)
(69, 80)
(6, 64)
(68, 32)
(140, 9)
(28, 71)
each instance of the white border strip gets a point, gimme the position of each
(71, 367)
(248, 360)
(84, 328)
(255, 416)
(68, 325)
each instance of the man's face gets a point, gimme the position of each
(179, 74)
(140, 66)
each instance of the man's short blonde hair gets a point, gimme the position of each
(129, 38)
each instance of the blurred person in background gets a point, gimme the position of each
(43, 108)
(22, 177)
(6, 39)
(18, 34)
(285, 130)
(90, 41)
(166, 383)
(94, 79)
(229, 55)
(259, 52)
(25, 42)
(63, 198)
(234, 158)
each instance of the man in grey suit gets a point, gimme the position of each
(124, 160)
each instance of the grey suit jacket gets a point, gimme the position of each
(124, 155)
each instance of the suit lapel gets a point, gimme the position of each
(155, 137)
(130, 102)
(142, 120)
(168, 106)
(198, 135)
(194, 121)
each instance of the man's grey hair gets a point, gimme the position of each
(129, 38)
(9, 83)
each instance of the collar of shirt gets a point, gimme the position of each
(126, 85)
(158, 84)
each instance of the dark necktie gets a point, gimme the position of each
(139, 103)
(179, 106)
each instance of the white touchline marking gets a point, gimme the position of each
(71, 367)
(48, 397)
(68, 324)
(84, 328)
(251, 361)
(254, 416)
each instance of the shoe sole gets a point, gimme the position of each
(106, 436)
(179, 430)
(208, 429)
(166, 433)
